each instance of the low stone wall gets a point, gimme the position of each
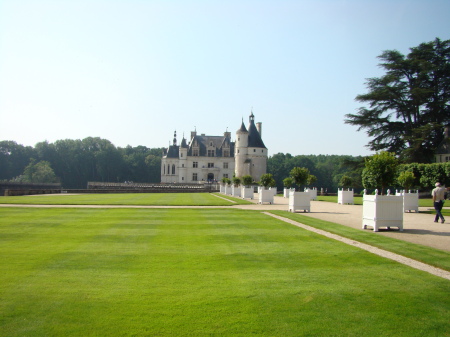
(10, 193)
(104, 187)
(11, 188)
(147, 190)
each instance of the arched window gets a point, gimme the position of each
(168, 168)
(173, 168)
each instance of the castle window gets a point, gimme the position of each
(194, 177)
(226, 153)
(210, 153)
(254, 150)
(225, 165)
(195, 152)
(195, 164)
(225, 175)
(173, 168)
(210, 165)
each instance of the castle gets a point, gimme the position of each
(211, 158)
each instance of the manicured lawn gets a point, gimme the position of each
(425, 254)
(201, 272)
(156, 199)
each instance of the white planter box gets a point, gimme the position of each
(235, 191)
(227, 189)
(274, 190)
(265, 196)
(345, 197)
(299, 201)
(247, 192)
(410, 200)
(312, 193)
(222, 189)
(382, 211)
(286, 192)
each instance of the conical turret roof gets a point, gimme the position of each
(242, 129)
(254, 137)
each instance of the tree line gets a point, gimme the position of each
(75, 162)
(327, 169)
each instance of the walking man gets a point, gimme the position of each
(438, 195)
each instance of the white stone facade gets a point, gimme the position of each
(211, 158)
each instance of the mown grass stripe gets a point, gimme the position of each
(381, 252)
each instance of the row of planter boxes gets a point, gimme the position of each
(237, 191)
(378, 210)
(311, 191)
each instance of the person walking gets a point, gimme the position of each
(438, 195)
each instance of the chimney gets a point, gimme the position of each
(258, 127)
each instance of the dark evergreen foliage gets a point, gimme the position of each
(409, 106)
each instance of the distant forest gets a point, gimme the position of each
(75, 162)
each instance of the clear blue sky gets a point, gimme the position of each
(133, 71)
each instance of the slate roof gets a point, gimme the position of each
(172, 152)
(218, 142)
(254, 138)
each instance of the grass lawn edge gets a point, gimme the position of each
(431, 256)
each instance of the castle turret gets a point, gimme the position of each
(250, 151)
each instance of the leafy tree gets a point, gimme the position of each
(236, 181)
(38, 172)
(380, 171)
(288, 182)
(346, 181)
(247, 180)
(406, 179)
(409, 106)
(14, 158)
(267, 180)
(300, 175)
(153, 164)
(311, 179)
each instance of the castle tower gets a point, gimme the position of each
(250, 151)
(182, 161)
